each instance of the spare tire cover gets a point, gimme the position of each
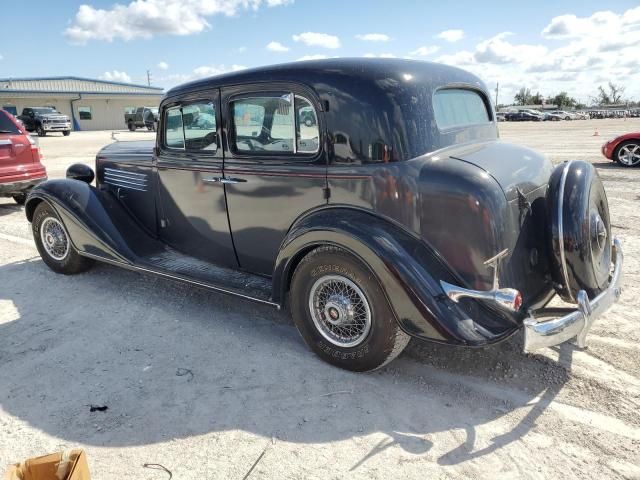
(580, 230)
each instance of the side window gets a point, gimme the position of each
(199, 120)
(455, 107)
(274, 124)
(129, 109)
(263, 125)
(191, 127)
(84, 112)
(307, 132)
(173, 131)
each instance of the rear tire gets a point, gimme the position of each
(342, 313)
(132, 127)
(54, 244)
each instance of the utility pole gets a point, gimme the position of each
(497, 88)
(149, 77)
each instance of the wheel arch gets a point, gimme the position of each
(408, 270)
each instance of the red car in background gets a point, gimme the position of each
(624, 149)
(20, 160)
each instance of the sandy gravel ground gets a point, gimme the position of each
(208, 385)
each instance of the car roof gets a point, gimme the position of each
(316, 71)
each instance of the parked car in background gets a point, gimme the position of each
(564, 114)
(44, 120)
(500, 116)
(142, 117)
(442, 233)
(523, 116)
(551, 117)
(624, 149)
(21, 168)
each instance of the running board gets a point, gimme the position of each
(177, 266)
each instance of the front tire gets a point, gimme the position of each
(342, 313)
(627, 153)
(41, 131)
(54, 244)
(66, 133)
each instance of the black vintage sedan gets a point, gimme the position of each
(397, 213)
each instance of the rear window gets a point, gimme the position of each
(6, 125)
(455, 107)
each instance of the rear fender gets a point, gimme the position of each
(407, 269)
(96, 222)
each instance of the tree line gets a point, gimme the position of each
(612, 94)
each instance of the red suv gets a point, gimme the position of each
(20, 166)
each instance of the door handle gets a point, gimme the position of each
(232, 180)
(212, 180)
(225, 180)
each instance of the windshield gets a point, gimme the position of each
(153, 110)
(45, 110)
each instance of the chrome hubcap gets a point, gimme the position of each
(54, 238)
(629, 154)
(340, 310)
(598, 230)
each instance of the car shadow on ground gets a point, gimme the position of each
(173, 361)
(9, 208)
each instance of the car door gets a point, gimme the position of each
(193, 211)
(275, 167)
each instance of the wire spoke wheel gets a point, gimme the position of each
(340, 310)
(54, 238)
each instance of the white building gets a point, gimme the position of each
(91, 104)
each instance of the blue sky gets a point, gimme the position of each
(548, 47)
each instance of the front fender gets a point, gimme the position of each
(95, 220)
(407, 269)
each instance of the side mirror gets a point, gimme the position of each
(82, 172)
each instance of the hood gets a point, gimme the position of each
(514, 167)
(140, 147)
(53, 116)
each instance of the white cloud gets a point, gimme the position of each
(116, 76)
(1, 57)
(379, 55)
(312, 57)
(579, 54)
(211, 70)
(277, 47)
(373, 37)
(425, 50)
(451, 35)
(314, 39)
(163, 66)
(146, 18)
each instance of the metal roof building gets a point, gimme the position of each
(91, 104)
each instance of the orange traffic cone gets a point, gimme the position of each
(596, 134)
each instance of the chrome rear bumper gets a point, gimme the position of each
(546, 333)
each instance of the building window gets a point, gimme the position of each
(129, 109)
(11, 109)
(84, 112)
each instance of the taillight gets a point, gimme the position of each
(35, 149)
